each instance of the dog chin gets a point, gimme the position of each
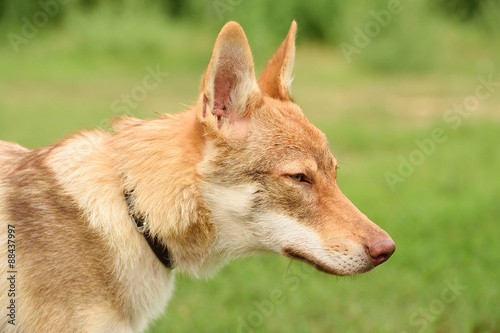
(340, 269)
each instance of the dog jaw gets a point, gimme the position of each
(242, 231)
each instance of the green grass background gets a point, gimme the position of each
(444, 217)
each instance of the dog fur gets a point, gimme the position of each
(241, 172)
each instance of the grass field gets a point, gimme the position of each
(443, 210)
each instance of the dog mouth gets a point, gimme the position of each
(300, 257)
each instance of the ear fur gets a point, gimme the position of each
(228, 87)
(276, 79)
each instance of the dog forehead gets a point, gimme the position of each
(284, 128)
(290, 125)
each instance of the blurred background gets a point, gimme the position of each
(408, 93)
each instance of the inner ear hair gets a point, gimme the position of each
(229, 79)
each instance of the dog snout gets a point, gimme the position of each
(380, 250)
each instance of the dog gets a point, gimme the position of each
(97, 224)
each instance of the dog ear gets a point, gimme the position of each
(229, 89)
(276, 78)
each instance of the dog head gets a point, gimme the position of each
(268, 176)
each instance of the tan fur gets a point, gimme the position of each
(241, 172)
(276, 78)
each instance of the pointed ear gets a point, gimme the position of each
(276, 78)
(229, 88)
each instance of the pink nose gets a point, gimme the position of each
(381, 250)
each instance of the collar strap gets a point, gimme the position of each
(160, 250)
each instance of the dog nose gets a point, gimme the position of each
(381, 250)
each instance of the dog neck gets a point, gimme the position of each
(160, 250)
(159, 160)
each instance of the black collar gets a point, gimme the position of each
(160, 250)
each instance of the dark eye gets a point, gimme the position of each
(299, 177)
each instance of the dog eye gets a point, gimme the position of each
(299, 177)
